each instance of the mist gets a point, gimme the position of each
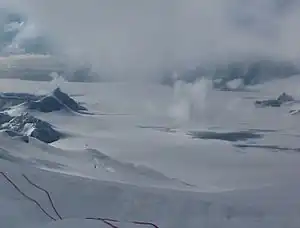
(139, 39)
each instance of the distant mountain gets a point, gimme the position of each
(254, 72)
(248, 72)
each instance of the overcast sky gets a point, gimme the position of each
(139, 36)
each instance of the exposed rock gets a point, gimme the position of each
(225, 136)
(19, 96)
(8, 100)
(46, 104)
(4, 118)
(55, 102)
(283, 98)
(268, 103)
(68, 101)
(27, 125)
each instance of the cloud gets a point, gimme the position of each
(133, 38)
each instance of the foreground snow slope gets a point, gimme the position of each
(136, 158)
(76, 223)
(76, 197)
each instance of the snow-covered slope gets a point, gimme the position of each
(184, 157)
(73, 197)
(79, 198)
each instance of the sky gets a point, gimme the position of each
(135, 38)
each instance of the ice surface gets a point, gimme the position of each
(184, 156)
(134, 160)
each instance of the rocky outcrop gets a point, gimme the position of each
(46, 104)
(67, 100)
(27, 125)
(4, 118)
(55, 101)
(283, 98)
(58, 100)
(268, 103)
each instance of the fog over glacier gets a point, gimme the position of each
(139, 38)
(158, 113)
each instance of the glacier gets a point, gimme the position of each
(213, 144)
(134, 161)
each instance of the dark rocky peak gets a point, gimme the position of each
(67, 100)
(280, 100)
(58, 100)
(28, 125)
